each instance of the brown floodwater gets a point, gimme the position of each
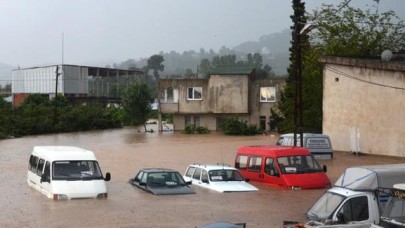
(123, 152)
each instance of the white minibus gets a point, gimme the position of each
(66, 172)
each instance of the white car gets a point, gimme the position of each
(220, 177)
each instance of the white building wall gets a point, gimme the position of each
(36, 80)
(364, 109)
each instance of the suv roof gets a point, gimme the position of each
(213, 166)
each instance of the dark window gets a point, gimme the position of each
(47, 170)
(263, 122)
(40, 166)
(255, 164)
(33, 163)
(190, 172)
(194, 93)
(197, 174)
(204, 176)
(187, 120)
(197, 121)
(355, 209)
(270, 167)
(241, 162)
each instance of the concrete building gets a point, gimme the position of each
(364, 105)
(227, 92)
(69, 80)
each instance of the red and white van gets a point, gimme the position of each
(281, 166)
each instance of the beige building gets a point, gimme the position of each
(229, 92)
(364, 105)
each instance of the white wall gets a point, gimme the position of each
(364, 109)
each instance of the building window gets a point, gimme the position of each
(267, 94)
(197, 121)
(263, 122)
(194, 93)
(187, 120)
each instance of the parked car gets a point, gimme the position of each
(220, 177)
(160, 181)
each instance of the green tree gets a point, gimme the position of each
(136, 102)
(205, 67)
(341, 31)
(155, 63)
(347, 31)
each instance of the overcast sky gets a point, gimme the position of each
(108, 31)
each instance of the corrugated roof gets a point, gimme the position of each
(238, 70)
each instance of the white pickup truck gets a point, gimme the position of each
(355, 201)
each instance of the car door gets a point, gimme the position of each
(46, 184)
(271, 172)
(254, 169)
(196, 178)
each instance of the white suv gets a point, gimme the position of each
(220, 177)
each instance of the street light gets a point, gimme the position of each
(300, 31)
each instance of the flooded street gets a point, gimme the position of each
(123, 152)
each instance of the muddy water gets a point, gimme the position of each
(123, 152)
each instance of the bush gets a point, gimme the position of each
(192, 129)
(233, 126)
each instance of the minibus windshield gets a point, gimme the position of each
(76, 170)
(298, 164)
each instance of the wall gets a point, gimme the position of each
(364, 105)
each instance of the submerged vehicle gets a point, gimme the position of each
(66, 172)
(281, 166)
(356, 200)
(219, 177)
(159, 181)
(319, 145)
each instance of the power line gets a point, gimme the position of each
(362, 80)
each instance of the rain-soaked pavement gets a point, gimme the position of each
(123, 152)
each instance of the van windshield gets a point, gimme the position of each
(76, 170)
(298, 164)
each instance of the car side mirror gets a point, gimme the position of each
(205, 181)
(107, 177)
(189, 182)
(44, 178)
(247, 180)
(325, 168)
(142, 184)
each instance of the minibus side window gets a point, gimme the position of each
(270, 167)
(40, 166)
(241, 162)
(255, 164)
(47, 170)
(33, 163)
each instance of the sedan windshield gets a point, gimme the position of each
(225, 175)
(76, 170)
(325, 206)
(165, 179)
(298, 164)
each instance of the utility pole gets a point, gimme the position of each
(299, 22)
(56, 95)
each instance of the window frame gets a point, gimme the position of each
(269, 89)
(193, 90)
